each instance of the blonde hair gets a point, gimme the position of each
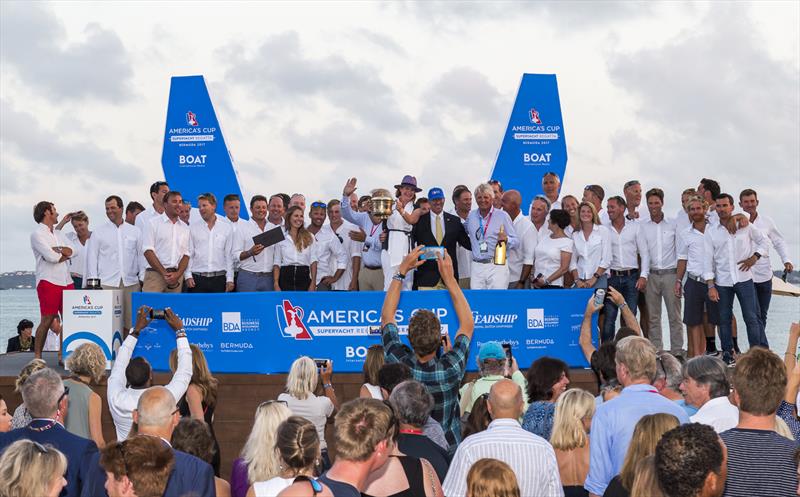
(646, 435)
(262, 461)
(88, 360)
(373, 363)
(201, 375)
(572, 407)
(492, 478)
(304, 237)
(30, 368)
(27, 469)
(646, 482)
(638, 355)
(782, 429)
(595, 217)
(302, 379)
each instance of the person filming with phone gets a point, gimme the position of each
(435, 230)
(131, 377)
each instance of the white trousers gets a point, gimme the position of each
(488, 276)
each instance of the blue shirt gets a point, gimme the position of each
(612, 429)
(371, 255)
(539, 418)
(690, 409)
(476, 226)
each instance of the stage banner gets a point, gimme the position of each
(534, 142)
(195, 158)
(265, 332)
(93, 316)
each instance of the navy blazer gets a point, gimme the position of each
(454, 234)
(79, 450)
(191, 477)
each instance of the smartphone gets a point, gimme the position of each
(507, 348)
(321, 363)
(599, 297)
(157, 314)
(429, 253)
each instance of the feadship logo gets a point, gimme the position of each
(198, 322)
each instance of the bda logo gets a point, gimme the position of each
(535, 319)
(290, 321)
(231, 322)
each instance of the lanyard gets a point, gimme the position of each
(410, 431)
(488, 221)
(374, 227)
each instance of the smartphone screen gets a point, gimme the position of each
(507, 348)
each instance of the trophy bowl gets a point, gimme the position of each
(93, 284)
(382, 207)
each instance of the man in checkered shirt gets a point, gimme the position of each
(442, 376)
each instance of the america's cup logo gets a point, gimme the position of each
(191, 119)
(290, 321)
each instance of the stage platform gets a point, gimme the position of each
(239, 395)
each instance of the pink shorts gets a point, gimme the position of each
(51, 301)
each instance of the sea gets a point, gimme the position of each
(16, 305)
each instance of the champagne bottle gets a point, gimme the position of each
(500, 251)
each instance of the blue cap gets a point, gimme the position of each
(491, 350)
(435, 193)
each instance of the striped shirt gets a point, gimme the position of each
(530, 456)
(441, 376)
(760, 463)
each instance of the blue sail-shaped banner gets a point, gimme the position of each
(195, 158)
(534, 142)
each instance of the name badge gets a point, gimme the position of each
(484, 247)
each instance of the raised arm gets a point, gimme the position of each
(411, 261)
(466, 323)
(183, 373)
(116, 380)
(585, 339)
(627, 315)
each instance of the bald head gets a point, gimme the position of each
(511, 201)
(505, 400)
(155, 408)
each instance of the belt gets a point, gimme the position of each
(672, 270)
(257, 273)
(212, 274)
(696, 278)
(482, 262)
(169, 269)
(624, 272)
(373, 267)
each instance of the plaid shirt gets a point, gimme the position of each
(442, 376)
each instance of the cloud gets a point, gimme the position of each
(342, 143)
(381, 40)
(33, 42)
(46, 153)
(282, 74)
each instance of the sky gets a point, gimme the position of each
(311, 93)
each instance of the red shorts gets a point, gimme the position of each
(51, 299)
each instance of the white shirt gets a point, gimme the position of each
(235, 226)
(142, 221)
(724, 251)
(530, 456)
(286, 253)
(331, 255)
(522, 254)
(212, 249)
(682, 220)
(261, 263)
(660, 239)
(122, 401)
(762, 271)
(717, 413)
(603, 215)
(352, 250)
(626, 246)
(112, 254)
(591, 254)
(314, 408)
(644, 214)
(691, 247)
(464, 254)
(169, 241)
(77, 261)
(47, 266)
(547, 257)
(271, 487)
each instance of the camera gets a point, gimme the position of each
(157, 314)
(507, 348)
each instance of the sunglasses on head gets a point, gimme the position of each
(319, 205)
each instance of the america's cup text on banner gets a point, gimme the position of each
(265, 332)
(195, 157)
(534, 142)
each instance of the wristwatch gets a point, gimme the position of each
(758, 256)
(399, 276)
(596, 276)
(181, 333)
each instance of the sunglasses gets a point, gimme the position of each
(631, 183)
(319, 205)
(41, 449)
(66, 392)
(316, 486)
(268, 402)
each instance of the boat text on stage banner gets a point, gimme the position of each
(195, 158)
(265, 332)
(534, 142)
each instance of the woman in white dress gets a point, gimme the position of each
(399, 227)
(553, 253)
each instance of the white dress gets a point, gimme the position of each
(398, 247)
(547, 257)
